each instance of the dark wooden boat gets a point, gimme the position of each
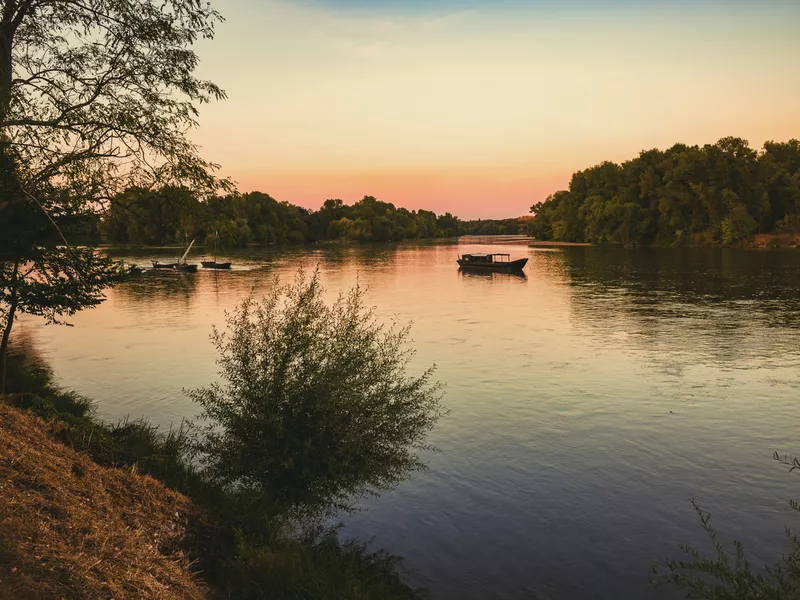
(182, 265)
(134, 270)
(491, 262)
(212, 264)
(160, 265)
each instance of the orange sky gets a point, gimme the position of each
(483, 109)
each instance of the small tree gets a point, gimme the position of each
(40, 274)
(316, 407)
(96, 96)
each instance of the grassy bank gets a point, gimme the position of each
(236, 545)
(70, 528)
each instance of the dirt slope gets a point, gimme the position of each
(72, 529)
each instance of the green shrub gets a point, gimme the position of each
(241, 543)
(315, 407)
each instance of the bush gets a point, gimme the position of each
(316, 406)
(242, 547)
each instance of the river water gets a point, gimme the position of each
(589, 400)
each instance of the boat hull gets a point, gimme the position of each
(158, 265)
(186, 268)
(513, 265)
(210, 264)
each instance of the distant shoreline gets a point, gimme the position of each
(547, 244)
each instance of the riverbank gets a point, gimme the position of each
(71, 528)
(116, 510)
(774, 240)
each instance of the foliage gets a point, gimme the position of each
(316, 406)
(39, 273)
(95, 97)
(242, 548)
(721, 192)
(99, 95)
(514, 226)
(170, 214)
(730, 577)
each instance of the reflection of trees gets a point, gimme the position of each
(156, 288)
(701, 302)
(333, 255)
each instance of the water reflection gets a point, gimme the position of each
(589, 398)
(708, 305)
(490, 275)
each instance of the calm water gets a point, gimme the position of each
(589, 401)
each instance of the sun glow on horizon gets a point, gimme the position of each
(483, 109)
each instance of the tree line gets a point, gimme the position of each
(175, 215)
(718, 193)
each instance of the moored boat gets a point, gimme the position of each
(160, 265)
(182, 265)
(212, 264)
(491, 262)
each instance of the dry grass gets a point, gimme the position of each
(72, 529)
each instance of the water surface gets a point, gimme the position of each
(589, 399)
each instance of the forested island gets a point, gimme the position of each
(175, 215)
(720, 193)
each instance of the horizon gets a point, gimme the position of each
(483, 109)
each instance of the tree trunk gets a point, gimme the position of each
(6, 72)
(12, 309)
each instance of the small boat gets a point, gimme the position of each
(213, 264)
(182, 265)
(134, 270)
(491, 262)
(160, 265)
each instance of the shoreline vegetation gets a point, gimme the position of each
(239, 504)
(720, 194)
(723, 194)
(174, 215)
(146, 524)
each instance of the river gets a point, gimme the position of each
(589, 400)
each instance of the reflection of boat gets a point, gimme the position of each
(213, 264)
(491, 262)
(491, 274)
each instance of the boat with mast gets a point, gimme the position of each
(182, 265)
(213, 264)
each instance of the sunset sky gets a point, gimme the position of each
(483, 108)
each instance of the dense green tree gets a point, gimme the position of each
(721, 192)
(95, 98)
(174, 215)
(315, 406)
